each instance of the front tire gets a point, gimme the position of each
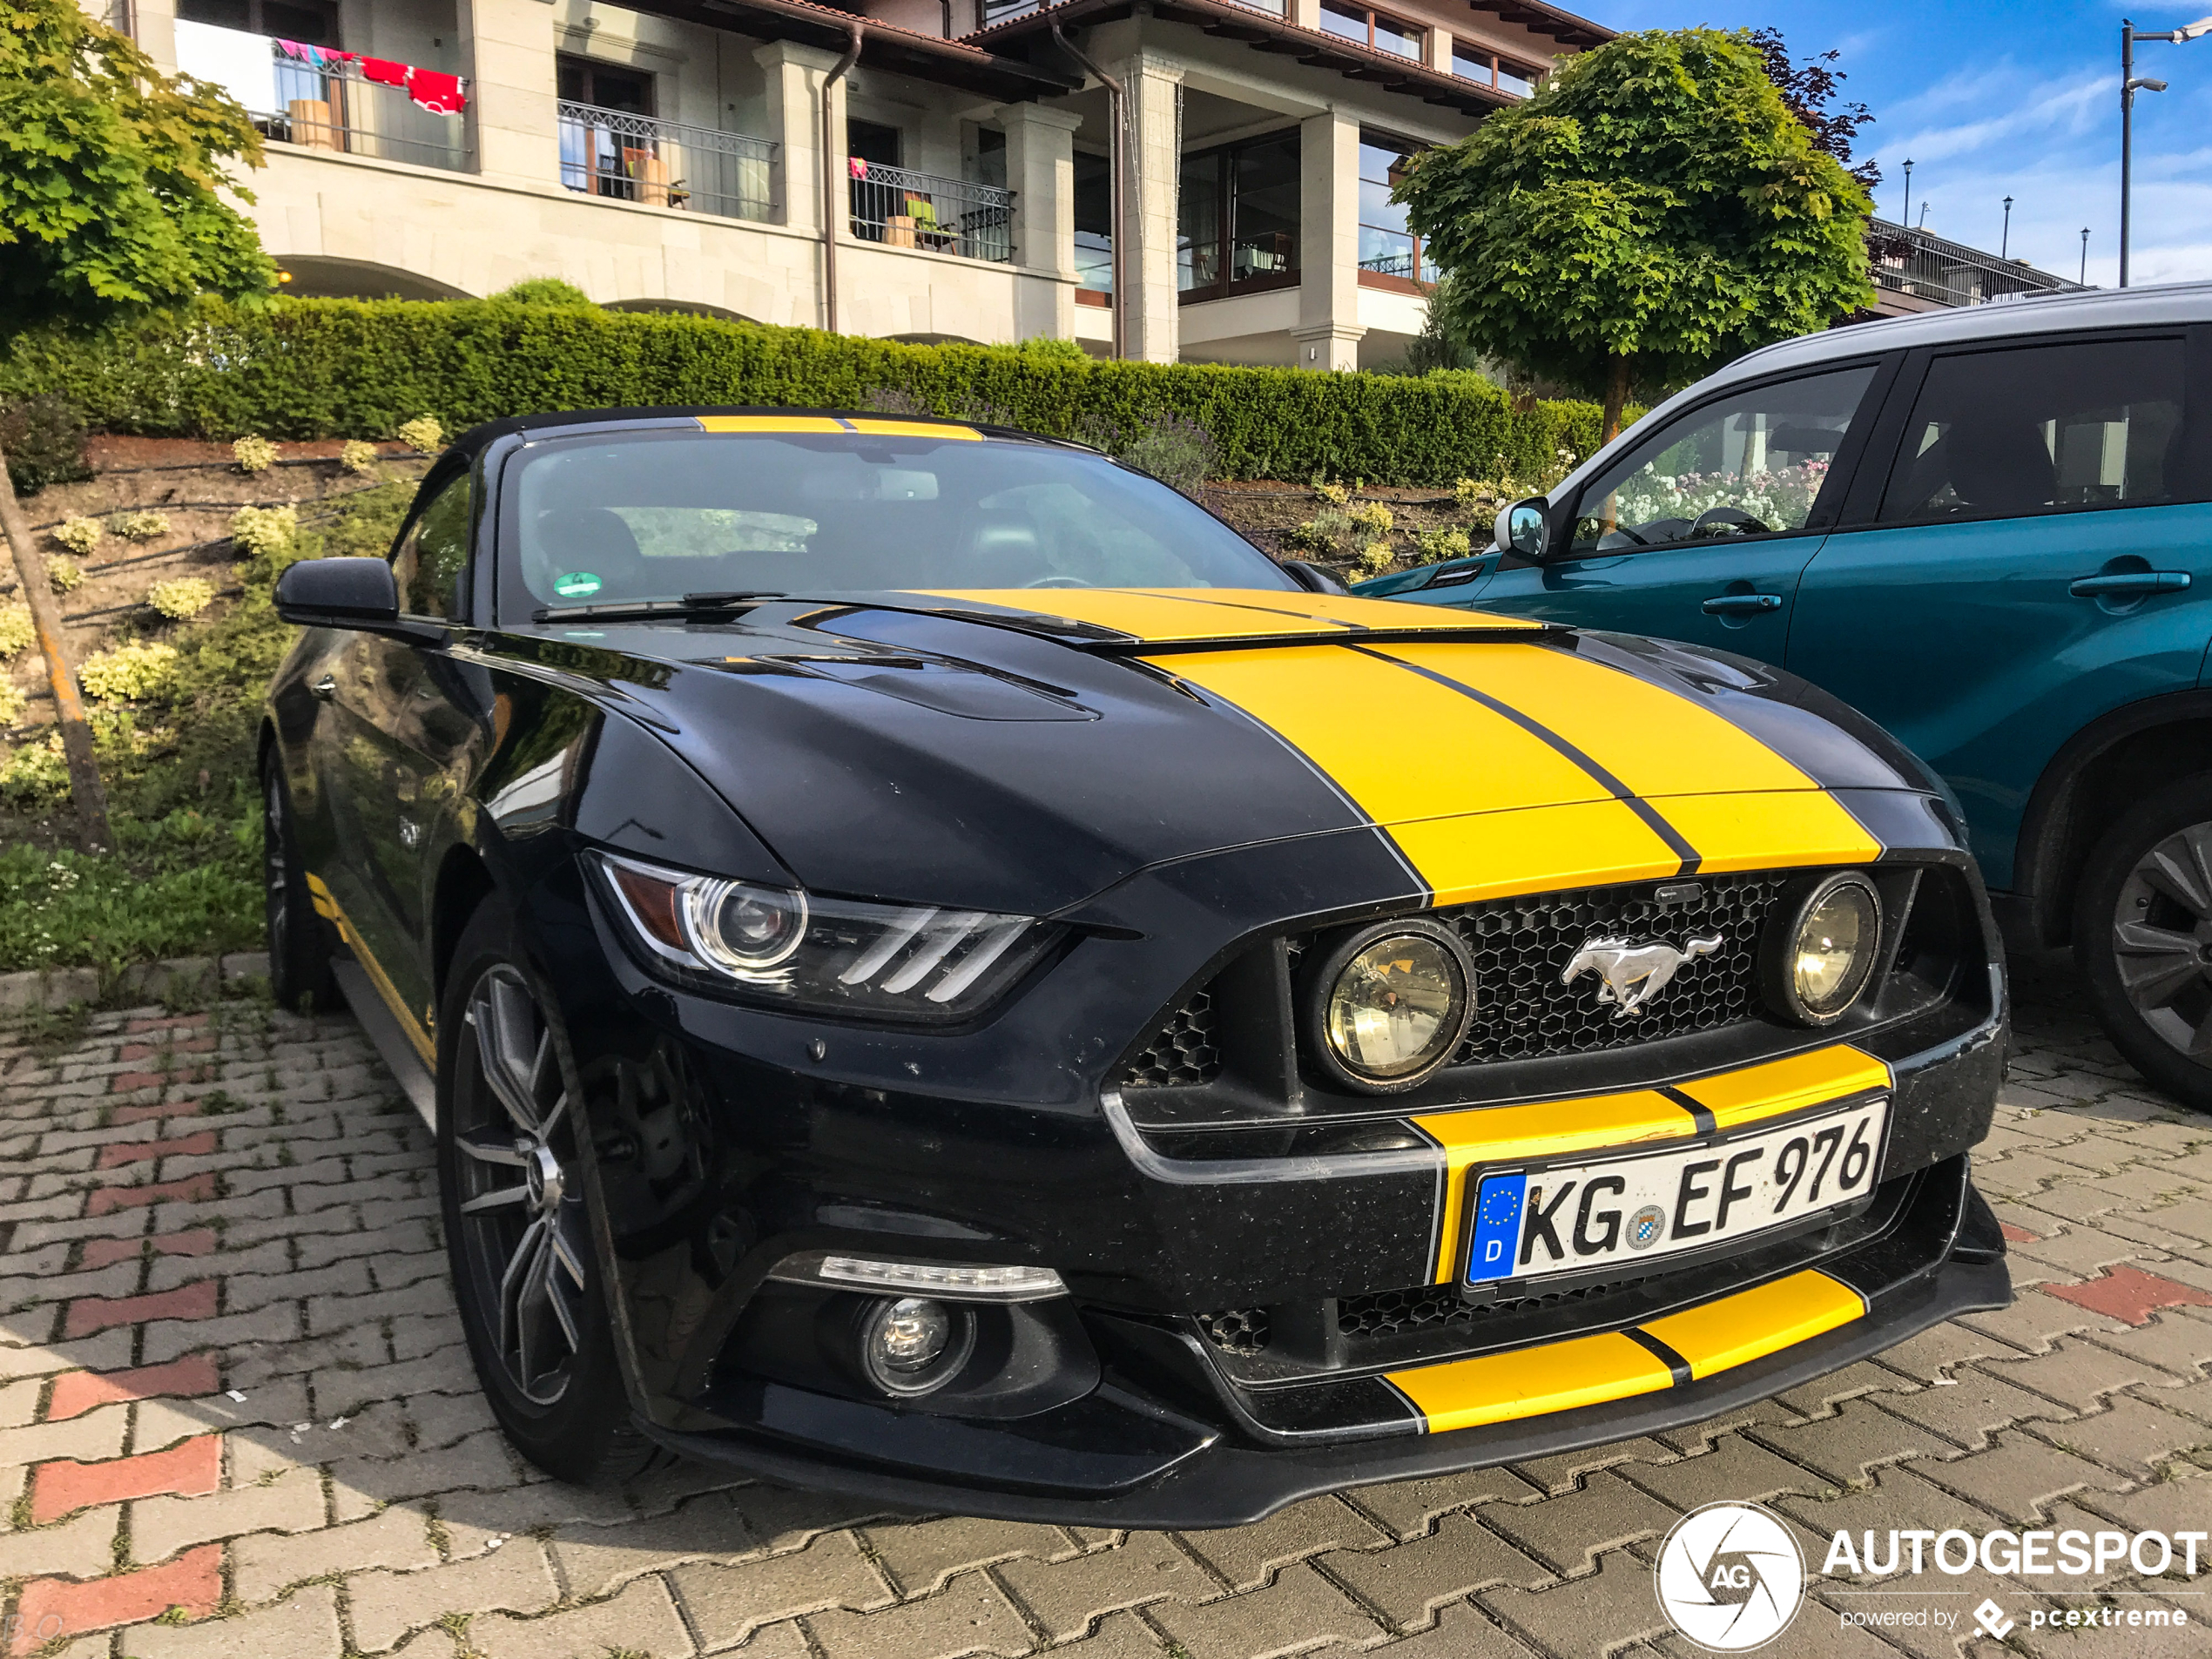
(2143, 935)
(532, 1304)
(300, 973)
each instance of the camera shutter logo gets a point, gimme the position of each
(1729, 1577)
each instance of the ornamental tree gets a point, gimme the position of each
(1653, 211)
(111, 205)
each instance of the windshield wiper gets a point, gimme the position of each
(690, 604)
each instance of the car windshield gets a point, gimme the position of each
(655, 516)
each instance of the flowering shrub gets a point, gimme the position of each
(1335, 494)
(358, 455)
(129, 672)
(181, 598)
(138, 527)
(12, 704)
(1434, 547)
(1779, 500)
(422, 434)
(78, 534)
(64, 575)
(255, 453)
(17, 631)
(259, 531)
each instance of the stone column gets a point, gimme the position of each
(507, 53)
(1329, 330)
(1149, 217)
(1438, 49)
(795, 74)
(1040, 170)
(1306, 14)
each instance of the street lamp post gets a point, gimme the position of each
(2005, 243)
(2084, 278)
(1906, 217)
(2130, 85)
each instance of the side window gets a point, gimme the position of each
(431, 556)
(1752, 464)
(2042, 429)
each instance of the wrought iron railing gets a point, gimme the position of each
(331, 106)
(666, 164)
(1917, 262)
(899, 207)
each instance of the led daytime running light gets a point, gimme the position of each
(951, 1280)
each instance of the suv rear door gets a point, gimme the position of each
(2037, 551)
(1699, 531)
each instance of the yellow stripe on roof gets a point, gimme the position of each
(770, 425)
(817, 425)
(914, 430)
(1753, 1324)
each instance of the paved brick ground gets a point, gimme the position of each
(236, 1419)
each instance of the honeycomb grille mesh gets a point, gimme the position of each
(1522, 945)
(1237, 1330)
(1181, 1054)
(1383, 1313)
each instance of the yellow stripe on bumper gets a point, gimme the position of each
(1753, 1324)
(1531, 1382)
(1492, 1135)
(1588, 1371)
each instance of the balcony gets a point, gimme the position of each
(899, 207)
(323, 99)
(666, 164)
(1914, 262)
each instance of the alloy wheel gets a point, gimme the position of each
(2161, 939)
(519, 1204)
(276, 874)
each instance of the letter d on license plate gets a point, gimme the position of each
(1572, 1217)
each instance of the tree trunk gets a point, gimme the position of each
(1617, 399)
(69, 707)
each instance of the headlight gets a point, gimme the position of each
(881, 960)
(1390, 1004)
(1821, 948)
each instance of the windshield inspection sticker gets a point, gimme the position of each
(577, 584)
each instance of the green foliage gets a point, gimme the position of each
(424, 434)
(138, 526)
(17, 632)
(260, 531)
(182, 597)
(253, 453)
(13, 702)
(543, 291)
(63, 574)
(311, 369)
(1434, 547)
(110, 174)
(1656, 202)
(128, 673)
(44, 438)
(78, 534)
(358, 457)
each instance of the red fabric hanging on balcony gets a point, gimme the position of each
(440, 93)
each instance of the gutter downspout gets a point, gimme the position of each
(832, 182)
(1117, 118)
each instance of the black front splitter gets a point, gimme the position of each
(1230, 1482)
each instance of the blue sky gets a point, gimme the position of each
(2019, 100)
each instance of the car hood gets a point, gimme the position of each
(1025, 751)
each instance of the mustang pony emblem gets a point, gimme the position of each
(1631, 975)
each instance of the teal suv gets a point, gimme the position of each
(1990, 530)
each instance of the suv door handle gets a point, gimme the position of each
(2092, 587)
(1737, 605)
(325, 688)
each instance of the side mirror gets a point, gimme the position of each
(1524, 528)
(1312, 578)
(339, 593)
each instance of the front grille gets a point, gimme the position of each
(1522, 945)
(1385, 1313)
(1182, 1053)
(1236, 1330)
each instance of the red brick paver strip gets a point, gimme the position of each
(91, 1314)
(190, 1471)
(52, 1608)
(2131, 1294)
(115, 1156)
(106, 1200)
(325, 1432)
(77, 1391)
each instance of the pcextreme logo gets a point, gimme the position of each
(1729, 1577)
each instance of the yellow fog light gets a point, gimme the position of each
(1821, 949)
(1390, 1004)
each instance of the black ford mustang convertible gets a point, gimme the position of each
(939, 970)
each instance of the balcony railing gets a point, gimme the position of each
(899, 207)
(1912, 262)
(331, 106)
(666, 164)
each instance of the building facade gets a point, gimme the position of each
(922, 170)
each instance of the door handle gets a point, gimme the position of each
(325, 688)
(1741, 604)
(2093, 587)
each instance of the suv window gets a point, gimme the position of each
(1751, 463)
(2041, 429)
(430, 557)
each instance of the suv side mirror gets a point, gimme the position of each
(1524, 528)
(1312, 578)
(339, 593)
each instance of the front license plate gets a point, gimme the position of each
(1574, 1216)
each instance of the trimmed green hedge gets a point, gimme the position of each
(314, 369)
